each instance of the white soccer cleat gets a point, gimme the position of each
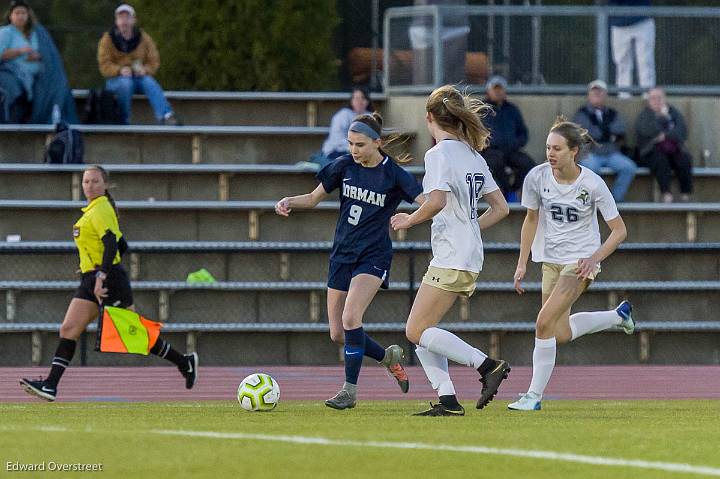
(527, 402)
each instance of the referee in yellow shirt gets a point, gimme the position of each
(100, 245)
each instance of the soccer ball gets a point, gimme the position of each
(258, 392)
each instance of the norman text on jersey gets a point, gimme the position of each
(362, 194)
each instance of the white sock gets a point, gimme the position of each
(588, 323)
(436, 370)
(543, 364)
(446, 344)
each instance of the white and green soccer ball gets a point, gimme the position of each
(258, 392)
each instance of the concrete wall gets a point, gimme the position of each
(245, 187)
(242, 112)
(701, 113)
(246, 349)
(624, 265)
(312, 225)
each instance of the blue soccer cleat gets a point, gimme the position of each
(624, 310)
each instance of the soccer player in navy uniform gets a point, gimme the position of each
(371, 187)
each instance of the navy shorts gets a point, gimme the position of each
(340, 274)
(117, 284)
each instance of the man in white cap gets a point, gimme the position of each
(607, 128)
(508, 136)
(128, 59)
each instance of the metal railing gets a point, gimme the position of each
(681, 34)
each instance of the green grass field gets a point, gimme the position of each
(126, 439)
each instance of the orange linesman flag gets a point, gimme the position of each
(124, 331)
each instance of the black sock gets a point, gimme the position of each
(450, 401)
(63, 355)
(487, 366)
(163, 349)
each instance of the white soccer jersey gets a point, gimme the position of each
(453, 166)
(567, 219)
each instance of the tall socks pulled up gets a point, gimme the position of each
(354, 351)
(446, 344)
(163, 349)
(588, 323)
(543, 364)
(373, 349)
(63, 355)
(436, 370)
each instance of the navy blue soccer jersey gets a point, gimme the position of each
(368, 198)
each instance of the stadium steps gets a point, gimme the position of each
(49, 220)
(236, 181)
(288, 301)
(307, 343)
(307, 261)
(171, 144)
(244, 108)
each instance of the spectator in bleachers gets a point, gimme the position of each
(628, 34)
(508, 135)
(128, 59)
(336, 143)
(32, 76)
(661, 135)
(607, 128)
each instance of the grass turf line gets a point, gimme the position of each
(118, 435)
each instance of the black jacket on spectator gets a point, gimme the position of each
(509, 133)
(606, 132)
(648, 126)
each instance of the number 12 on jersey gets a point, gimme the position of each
(475, 183)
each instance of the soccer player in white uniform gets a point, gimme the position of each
(562, 200)
(456, 177)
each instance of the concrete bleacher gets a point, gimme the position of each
(244, 108)
(233, 181)
(48, 220)
(258, 261)
(243, 303)
(202, 186)
(171, 144)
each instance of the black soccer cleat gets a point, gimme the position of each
(491, 382)
(440, 409)
(191, 371)
(39, 388)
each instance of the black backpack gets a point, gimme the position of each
(66, 147)
(102, 108)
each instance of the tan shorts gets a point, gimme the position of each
(551, 273)
(453, 280)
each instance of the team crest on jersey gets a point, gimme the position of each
(584, 196)
(76, 232)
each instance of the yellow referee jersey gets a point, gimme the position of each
(98, 217)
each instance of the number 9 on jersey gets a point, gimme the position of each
(354, 215)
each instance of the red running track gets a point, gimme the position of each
(317, 383)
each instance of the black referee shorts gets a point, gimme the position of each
(117, 284)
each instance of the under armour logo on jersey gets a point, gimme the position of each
(436, 279)
(546, 190)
